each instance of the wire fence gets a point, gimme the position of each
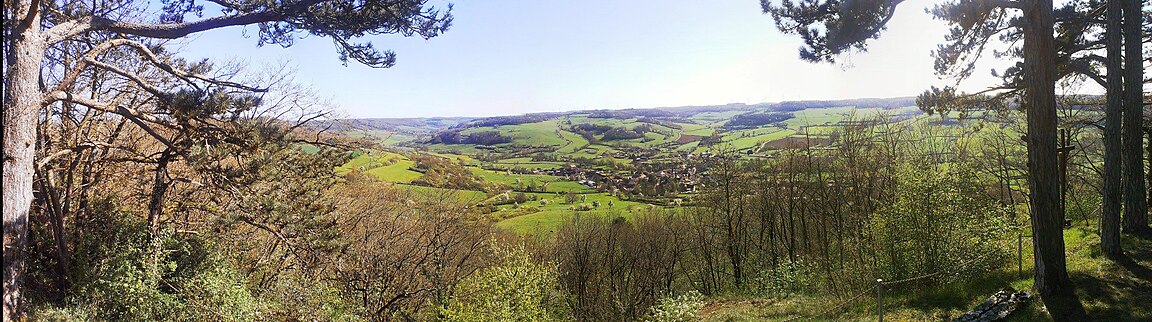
(879, 288)
(834, 308)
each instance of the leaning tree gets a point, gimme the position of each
(832, 27)
(33, 29)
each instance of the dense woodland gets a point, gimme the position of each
(138, 185)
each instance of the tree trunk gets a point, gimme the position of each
(1110, 218)
(1040, 100)
(159, 190)
(1135, 206)
(21, 103)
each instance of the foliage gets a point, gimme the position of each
(786, 278)
(276, 211)
(517, 288)
(123, 273)
(609, 132)
(681, 308)
(832, 27)
(754, 120)
(478, 138)
(941, 221)
(441, 172)
(946, 100)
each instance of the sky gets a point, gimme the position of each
(515, 56)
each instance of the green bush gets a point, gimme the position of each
(120, 272)
(940, 222)
(786, 278)
(515, 289)
(681, 308)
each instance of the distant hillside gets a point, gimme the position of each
(590, 133)
(433, 124)
(392, 124)
(792, 106)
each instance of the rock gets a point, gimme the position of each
(996, 307)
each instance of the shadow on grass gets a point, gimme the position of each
(1119, 291)
(1065, 308)
(1139, 251)
(960, 295)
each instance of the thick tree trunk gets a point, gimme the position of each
(1040, 81)
(21, 103)
(1135, 204)
(1110, 218)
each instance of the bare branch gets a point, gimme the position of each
(131, 114)
(131, 76)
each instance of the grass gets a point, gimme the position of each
(1105, 291)
(555, 184)
(542, 165)
(396, 173)
(385, 166)
(556, 213)
(755, 137)
(466, 160)
(528, 134)
(721, 117)
(818, 116)
(591, 151)
(309, 149)
(387, 138)
(458, 149)
(575, 142)
(464, 196)
(688, 147)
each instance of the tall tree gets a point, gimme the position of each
(33, 28)
(832, 27)
(1135, 204)
(1110, 217)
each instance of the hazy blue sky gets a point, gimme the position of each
(512, 57)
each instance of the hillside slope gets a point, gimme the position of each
(1106, 291)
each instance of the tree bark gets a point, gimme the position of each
(1051, 274)
(21, 104)
(159, 190)
(1148, 162)
(1135, 204)
(1113, 111)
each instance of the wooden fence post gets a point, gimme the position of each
(880, 299)
(1020, 255)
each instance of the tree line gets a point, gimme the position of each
(1049, 44)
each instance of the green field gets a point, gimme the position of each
(530, 134)
(464, 196)
(754, 138)
(385, 166)
(557, 212)
(541, 165)
(519, 181)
